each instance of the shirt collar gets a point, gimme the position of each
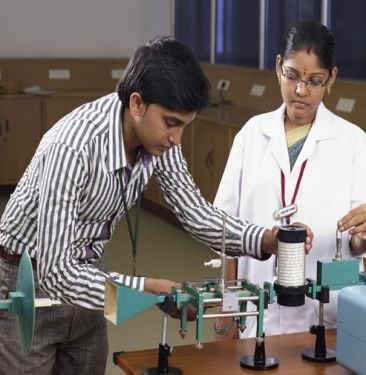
(116, 157)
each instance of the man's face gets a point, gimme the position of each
(158, 128)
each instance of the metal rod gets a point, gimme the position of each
(228, 315)
(338, 254)
(234, 287)
(262, 32)
(213, 32)
(321, 313)
(46, 302)
(240, 299)
(163, 332)
(172, 18)
(215, 280)
(324, 13)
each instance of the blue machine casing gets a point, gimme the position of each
(351, 329)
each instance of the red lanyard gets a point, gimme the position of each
(296, 187)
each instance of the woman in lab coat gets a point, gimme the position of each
(300, 144)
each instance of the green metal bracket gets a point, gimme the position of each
(16, 305)
(338, 274)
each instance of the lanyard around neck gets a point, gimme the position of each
(296, 187)
(133, 233)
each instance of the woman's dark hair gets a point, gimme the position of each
(310, 35)
(165, 72)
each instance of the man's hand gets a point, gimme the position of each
(158, 286)
(168, 307)
(270, 239)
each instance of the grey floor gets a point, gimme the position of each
(164, 251)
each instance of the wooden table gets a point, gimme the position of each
(224, 357)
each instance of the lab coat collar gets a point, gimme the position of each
(273, 129)
(322, 128)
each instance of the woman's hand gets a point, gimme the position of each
(355, 221)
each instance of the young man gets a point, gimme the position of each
(88, 170)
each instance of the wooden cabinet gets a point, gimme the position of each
(20, 133)
(59, 105)
(212, 143)
(23, 120)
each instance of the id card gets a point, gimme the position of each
(285, 211)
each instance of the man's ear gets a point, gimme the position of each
(137, 106)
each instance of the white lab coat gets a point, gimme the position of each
(334, 181)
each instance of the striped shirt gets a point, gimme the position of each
(69, 199)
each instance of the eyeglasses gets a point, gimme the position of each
(291, 78)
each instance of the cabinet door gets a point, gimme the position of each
(212, 144)
(56, 107)
(20, 133)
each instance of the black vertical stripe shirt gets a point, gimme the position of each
(69, 199)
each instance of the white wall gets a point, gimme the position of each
(80, 28)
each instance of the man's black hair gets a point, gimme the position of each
(165, 72)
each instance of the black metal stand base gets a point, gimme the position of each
(163, 365)
(155, 371)
(259, 361)
(328, 356)
(247, 361)
(320, 353)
